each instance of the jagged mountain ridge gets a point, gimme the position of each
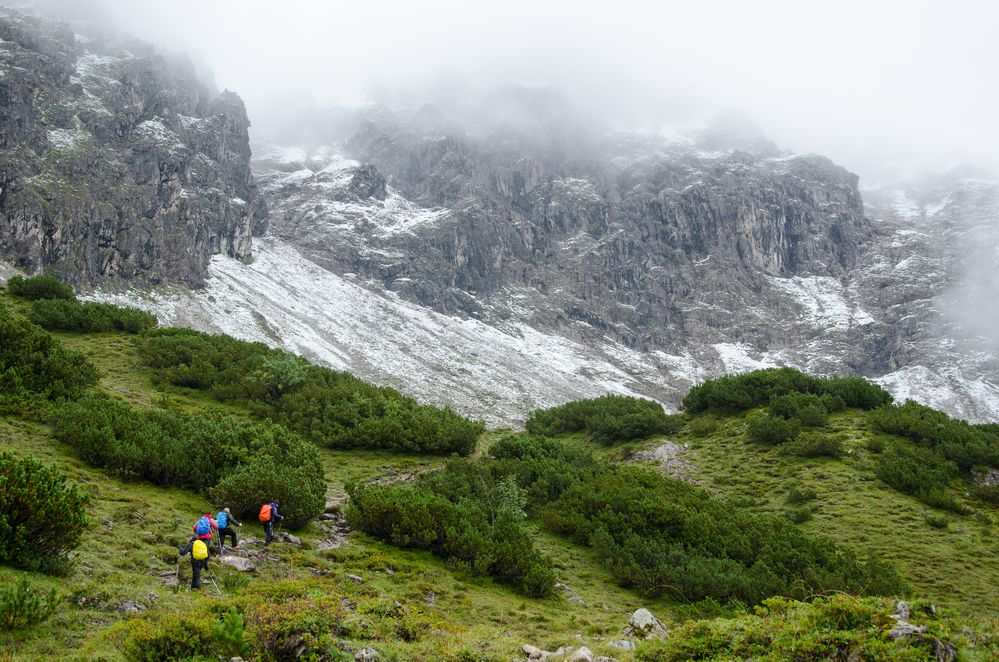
(118, 163)
(714, 248)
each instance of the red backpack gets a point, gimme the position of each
(265, 512)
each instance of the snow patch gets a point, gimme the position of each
(285, 300)
(824, 302)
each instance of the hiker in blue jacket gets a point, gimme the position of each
(226, 523)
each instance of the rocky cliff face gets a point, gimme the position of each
(670, 259)
(117, 164)
(643, 240)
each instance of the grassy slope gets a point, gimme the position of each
(123, 560)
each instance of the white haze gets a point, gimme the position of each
(883, 88)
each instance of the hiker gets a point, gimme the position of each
(198, 549)
(225, 522)
(269, 513)
(203, 530)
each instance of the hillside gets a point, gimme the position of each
(343, 591)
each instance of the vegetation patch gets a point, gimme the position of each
(23, 606)
(34, 364)
(73, 315)
(42, 516)
(756, 388)
(247, 463)
(608, 419)
(839, 627)
(968, 446)
(45, 286)
(463, 513)
(329, 407)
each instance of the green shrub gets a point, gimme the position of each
(42, 517)
(45, 286)
(837, 627)
(332, 408)
(296, 627)
(799, 515)
(969, 446)
(73, 315)
(33, 362)
(814, 445)
(481, 528)
(875, 445)
(752, 389)
(705, 425)
(808, 408)
(798, 495)
(989, 493)
(608, 419)
(921, 473)
(21, 607)
(247, 463)
(185, 635)
(773, 430)
(230, 635)
(300, 488)
(937, 521)
(651, 532)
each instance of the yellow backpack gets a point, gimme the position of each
(200, 550)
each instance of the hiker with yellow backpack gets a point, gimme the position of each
(269, 513)
(198, 548)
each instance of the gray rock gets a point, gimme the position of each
(129, 168)
(644, 625)
(570, 595)
(366, 654)
(238, 563)
(622, 644)
(904, 629)
(282, 536)
(581, 654)
(357, 579)
(130, 607)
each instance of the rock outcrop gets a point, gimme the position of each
(118, 163)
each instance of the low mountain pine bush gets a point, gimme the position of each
(44, 286)
(42, 516)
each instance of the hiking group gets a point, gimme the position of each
(199, 546)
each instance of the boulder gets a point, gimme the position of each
(644, 625)
(357, 579)
(581, 654)
(366, 654)
(570, 595)
(238, 563)
(281, 536)
(622, 644)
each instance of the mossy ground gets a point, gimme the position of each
(135, 528)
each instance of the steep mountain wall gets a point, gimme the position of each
(117, 164)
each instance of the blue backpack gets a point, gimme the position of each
(223, 520)
(203, 526)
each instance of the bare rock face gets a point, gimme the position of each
(706, 254)
(118, 164)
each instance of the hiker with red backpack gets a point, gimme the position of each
(269, 513)
(225, 522)
(203, 529)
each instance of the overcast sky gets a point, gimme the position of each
(881, 87)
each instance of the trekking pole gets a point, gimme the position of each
(212, 578)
